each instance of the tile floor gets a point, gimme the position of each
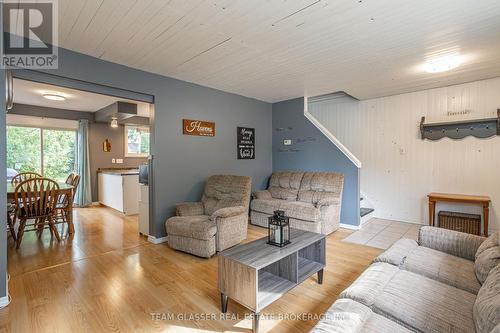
(382, 234)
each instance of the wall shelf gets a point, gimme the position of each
(479, 128)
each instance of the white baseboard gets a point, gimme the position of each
(349, 226)
(4, 301)
(154, 240)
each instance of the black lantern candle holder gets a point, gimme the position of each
(278, 230)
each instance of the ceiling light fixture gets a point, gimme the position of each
(443, 64)
(54, 96)
(114, 122)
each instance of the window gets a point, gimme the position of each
(137, 141)
(50, 152)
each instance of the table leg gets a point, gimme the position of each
(11, 225)
(255, 322)
(224, 300)
(69, 219)
(432, 212)
(486, 217)
(320, 277)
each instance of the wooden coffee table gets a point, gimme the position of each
(257, 274)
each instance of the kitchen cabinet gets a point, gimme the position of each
(119, 190)
(144, 209)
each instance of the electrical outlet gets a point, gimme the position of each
(113, 161)
(287, 142)
(119, 160)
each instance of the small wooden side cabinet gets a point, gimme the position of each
(483, 201)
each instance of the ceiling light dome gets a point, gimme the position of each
(54, 96)
(443, 64)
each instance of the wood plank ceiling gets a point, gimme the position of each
(274, 50)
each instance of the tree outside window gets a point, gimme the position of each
(137, 141)
(50, 152)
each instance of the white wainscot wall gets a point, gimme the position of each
(399, 169)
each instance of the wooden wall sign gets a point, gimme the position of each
(198, 127)
(246, 143)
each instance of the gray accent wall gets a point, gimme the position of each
(98, 132)
(182, 163)
(316, 153)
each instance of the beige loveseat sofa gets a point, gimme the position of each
(312, 200)
(216, 223)
(446, 282)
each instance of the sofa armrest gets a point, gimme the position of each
(228, 212)
(452, 242)
(189, 209)
(328, 202)
(262, 195)
(397, 253)
(232, 226)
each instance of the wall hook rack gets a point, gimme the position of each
(479, 128)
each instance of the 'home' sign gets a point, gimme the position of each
(198, 127)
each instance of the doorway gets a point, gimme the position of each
(42, 136)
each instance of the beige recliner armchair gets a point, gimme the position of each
(216, 223)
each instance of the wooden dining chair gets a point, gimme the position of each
(11, 207)
(36, 201)
(21, 177)
(65, 200)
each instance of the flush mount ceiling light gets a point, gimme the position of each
(114, 122)
(54, 96)
(443, 64)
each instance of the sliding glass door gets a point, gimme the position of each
(50, 152)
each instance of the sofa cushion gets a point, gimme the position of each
(293, 209)
(412, 300)
(347, 316)
(426, 305)
(487, 256)
(283, 193)
(439, 266)
(262, 195)
(370, 283)
(487, 306)
(267, 206)
(198, 227)
(443, 267)
(223, 191)
(316, 186)
(453, 242)
(300, 210)
(285, 184)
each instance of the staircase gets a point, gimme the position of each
(366, 212)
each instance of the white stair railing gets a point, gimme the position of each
(329, 135)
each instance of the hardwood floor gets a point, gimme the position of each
(108, 278)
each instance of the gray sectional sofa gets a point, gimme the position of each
(312, 200)
(446, 282)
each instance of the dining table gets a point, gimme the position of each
(64, 189)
